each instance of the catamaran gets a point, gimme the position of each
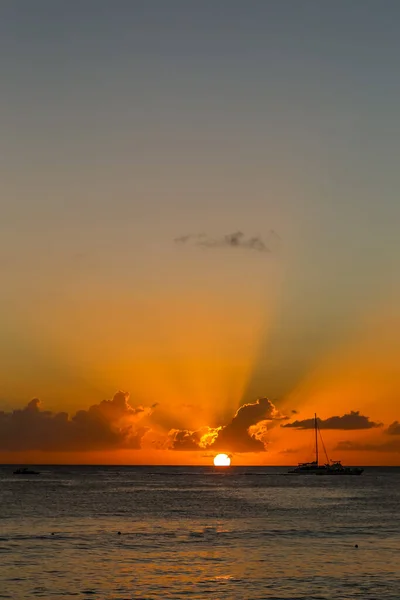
(331, 467)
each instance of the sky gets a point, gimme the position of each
(199, 240)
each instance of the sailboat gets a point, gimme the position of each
(331, 467)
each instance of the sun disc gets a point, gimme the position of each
(222, 460)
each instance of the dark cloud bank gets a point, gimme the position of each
(111, 424)
(116, 424)
(390, 444)
(236, 239)
(349, 421)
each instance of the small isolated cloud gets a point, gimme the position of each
(351, 420)
(246, 432)
(393, 429)
(237, 239)
(111, 424)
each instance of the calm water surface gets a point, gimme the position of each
(243, 533)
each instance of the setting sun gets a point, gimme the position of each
(222, 460)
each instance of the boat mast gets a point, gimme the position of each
(316, 438)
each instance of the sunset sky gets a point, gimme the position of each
(199, 232)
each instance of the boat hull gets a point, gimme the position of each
(344, 472)
(300, 471)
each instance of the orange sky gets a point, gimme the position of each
(190, 361)
(202, 212)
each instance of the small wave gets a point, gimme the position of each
(226, 578)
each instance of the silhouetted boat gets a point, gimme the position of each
(335, 467)
(331, 467)
(309, 468)
(25, 471)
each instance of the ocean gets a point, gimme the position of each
(193, 532)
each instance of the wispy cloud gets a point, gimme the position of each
(351, 420)
(390, 446)
(236, 239)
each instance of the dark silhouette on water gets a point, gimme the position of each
(331, 467)
(25, 471)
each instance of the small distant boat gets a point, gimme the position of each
(331, 467)
(25, 471)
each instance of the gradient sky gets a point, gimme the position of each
(128, 124)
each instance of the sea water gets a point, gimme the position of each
(168, 532)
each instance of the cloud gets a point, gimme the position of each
(351, 420)
(236, 239)
(111, 424)
(246, 432)
(183, 439)
(393, 429)
(349, 446)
